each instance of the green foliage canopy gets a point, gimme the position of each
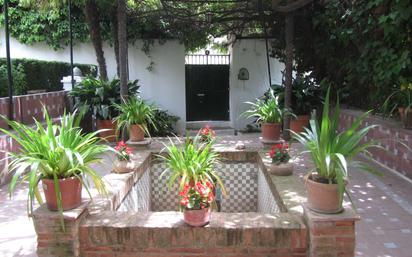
(362, 48)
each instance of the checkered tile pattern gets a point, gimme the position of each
(266, 201)
(162, 199)
(240, 180)
(248, 190)
(138, 199)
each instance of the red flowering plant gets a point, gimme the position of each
(279, 153)
(197, 197)
(123, 152)
(207, 134)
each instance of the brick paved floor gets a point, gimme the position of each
(384, 203)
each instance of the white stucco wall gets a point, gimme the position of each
(164, 85)
(249, 54)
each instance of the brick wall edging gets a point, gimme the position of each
(26, 107)
(390, 135)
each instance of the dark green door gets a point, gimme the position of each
(207, 92)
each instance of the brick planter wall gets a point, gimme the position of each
(26, 107)
(165, 234)
(331, 235)
(97, 230)
(391, 136)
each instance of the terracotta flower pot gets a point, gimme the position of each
(282, 169)
(123, 166)
(110, 134)
(406, 117)
(323, 198)
(136, 133)
(271, 131)
(197, 218)
(71, 192)
(297, 125)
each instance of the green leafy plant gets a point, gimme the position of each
(123, 151)
(163, 124)
(198, 196)
(206, 134)
(100, 96)
(19, 80)
(279, 153)
(56, 151)
(305, 94)
(36, 74)
(134, 111)
(401, 97)
(332, 151)
(191, 162)
(266, 111)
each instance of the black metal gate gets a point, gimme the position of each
(207, 87)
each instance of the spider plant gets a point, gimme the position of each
(53, 151)
(190, 162)
(332, 151)
(266, 111)
(134, 111)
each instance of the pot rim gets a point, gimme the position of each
(271, 123)
(62, 179)
(192, 210)
(308, 178)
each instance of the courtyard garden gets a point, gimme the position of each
(206, 128)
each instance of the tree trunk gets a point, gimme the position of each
(92, 19)
(122, 31)
(115, 36)
(289, 26)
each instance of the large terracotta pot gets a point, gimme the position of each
(123, 166)
(323, 198)
(297, 125)
(71, 192)
(271, 131)
(110, 133)
(197, 218)
(136, 133)
(406, 117)
(282, 169)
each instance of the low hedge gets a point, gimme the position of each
(38, 75)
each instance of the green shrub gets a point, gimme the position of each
(44, 74)
(98, 96)
(163, 124)
(19, 80)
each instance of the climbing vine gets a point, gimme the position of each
(362, 48)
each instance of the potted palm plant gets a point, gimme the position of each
(135, 115)
(400, 100)
(332, 152)
(57, 155)
(279, 155)
(269, 114)
(192, 166)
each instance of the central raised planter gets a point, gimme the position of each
(147, 220)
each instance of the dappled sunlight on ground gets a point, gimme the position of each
(17, 235)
